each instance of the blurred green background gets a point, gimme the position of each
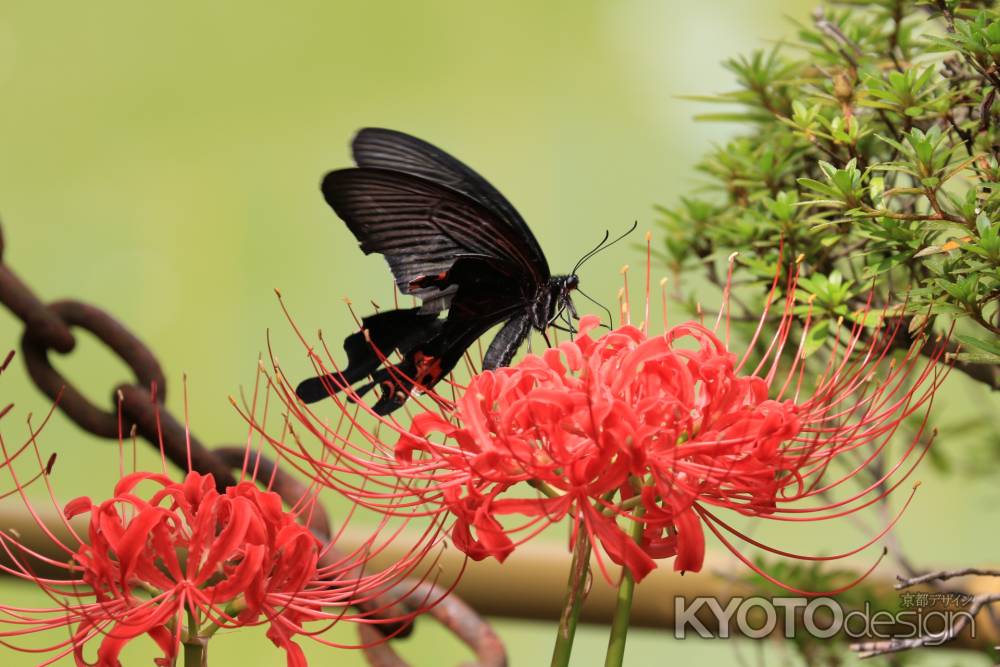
(162, 160)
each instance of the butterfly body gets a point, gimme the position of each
(452, 241)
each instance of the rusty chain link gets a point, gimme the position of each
(21, 301)
(454, 615)
(49, 328)
(119, 340)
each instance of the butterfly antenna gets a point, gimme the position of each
(604, 245)
(598, 304)
(589, 254)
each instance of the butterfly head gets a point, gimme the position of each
(569, 283)
(560, 302)
(557, 304)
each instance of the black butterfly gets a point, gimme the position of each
(454, 242)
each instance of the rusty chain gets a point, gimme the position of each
(49, 328)
(453, 614)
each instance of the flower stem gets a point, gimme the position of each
(623, 607)
(195, 654)
(576, 590)
(195, 646)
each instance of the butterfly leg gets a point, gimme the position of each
(545, 336)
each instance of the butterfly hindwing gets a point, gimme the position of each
(381, 334)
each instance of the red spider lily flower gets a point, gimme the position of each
(176, 561)
(227, 559)
(669, 431)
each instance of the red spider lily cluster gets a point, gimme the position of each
(227, 559)
(671, 431)
(179, 561)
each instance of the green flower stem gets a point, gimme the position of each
(575, 592)
(195, 654)
(623, 606)
(544, 488)
(195, 646)
(233, 609)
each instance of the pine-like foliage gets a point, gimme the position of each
(869, 147)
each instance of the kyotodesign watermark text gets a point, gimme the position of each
(823, 617)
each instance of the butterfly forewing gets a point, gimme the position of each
(389, 149)
(421, 227)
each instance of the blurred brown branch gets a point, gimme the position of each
(978, 603)
(530, 583)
